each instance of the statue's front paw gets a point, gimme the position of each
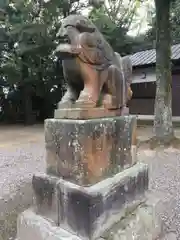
(85, 100)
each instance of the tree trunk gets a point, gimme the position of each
(26, 94)
(163, 127)
(27, 104)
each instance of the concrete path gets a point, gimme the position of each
(22, 154)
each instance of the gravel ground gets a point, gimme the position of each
(22, 154)
(164, 166)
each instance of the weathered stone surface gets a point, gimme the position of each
(87, 151)
(88, 113)
(98, 206)
(31, 226)
(89, 211)
(169, 236)
(141, 224)
(44, 187)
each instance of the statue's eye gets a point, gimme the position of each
(81, 23)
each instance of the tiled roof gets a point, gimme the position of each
(149, 56)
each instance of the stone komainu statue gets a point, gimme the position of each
(94, 73)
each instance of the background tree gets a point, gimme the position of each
(28, 62)
(28, 68)
(147, 40)
(163, 127)
(114, 19)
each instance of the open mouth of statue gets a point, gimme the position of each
(66, 40)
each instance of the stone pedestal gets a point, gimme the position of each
(92, 183)
(115, 208)
(90, 211)
(88, 151)
(139, 223)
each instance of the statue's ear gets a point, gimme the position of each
(82, 26)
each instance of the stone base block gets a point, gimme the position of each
(87, 151)
(141, 223)
(89, 211)
(45, 203)
(31, 226)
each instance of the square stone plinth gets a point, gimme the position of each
(87, 151)
(89, 212)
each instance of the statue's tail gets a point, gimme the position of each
(127, 69)
(126, 66)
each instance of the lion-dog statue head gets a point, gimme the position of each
(91, 67)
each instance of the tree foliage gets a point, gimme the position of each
(114, 19)
(148, 39)
(28, 37)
